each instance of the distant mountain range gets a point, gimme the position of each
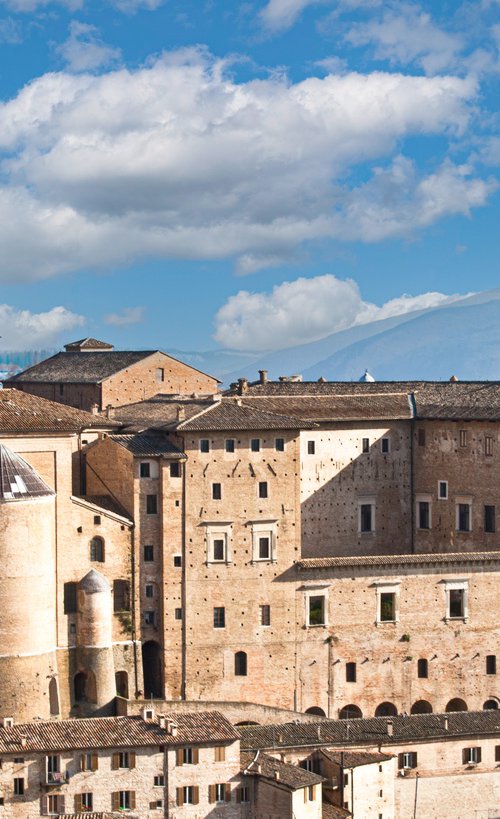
(461, 338)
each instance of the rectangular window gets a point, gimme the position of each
(463, 517)
(488, 445)
(366, 517)
(243, 794)
(264, 548)
(255, 445)
(279, 444)
(463, 437)
(219, 549)
(53, 767)
(121, 595)
(150, 590)
(386, 445)
(87, 801)
(456, 603)
(159, 781)
(216, 491)
(424, 515)
(178, 614)
(70, 598)
(149, 618)
(263, 489)
(311, 448)
(230, 445)
(160, 375)
(151, 504)
(149, 554)
(219, 753)
(189, 756)
(350, 672)
(491, 664)
(219, 617)
(176, 469)
(365, 445)
(89, 762)
(471, 756)
(18, 786)
(387, 607)
(316, 610)
(145, 469)
(489, 519)
(219, 792)
(123, 759)
(423, 669)
(177, 561)
(311, 793)
(443, 490)
(204, 445)
(55, 803)
(265, 615)
(407, 760)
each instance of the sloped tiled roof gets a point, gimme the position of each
(88, 343)
(228, 414)
(104, 503)
(418, 727)
(426, 559)
(115, 732)
(291, 776)
(18, 480)
(372, 407)
(161, 411)
(334, 811)
(355, 759)
(80, 368)
(22, 412)
(148, 444)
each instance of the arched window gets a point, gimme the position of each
(240, 664)
(386, 709)
(85, 689)
(423, 668)
(421, 707)
(490, 705)
(456, 705)
(97, 550)
(316, 710)
(121, 678)
(350, 712)
(53, 697)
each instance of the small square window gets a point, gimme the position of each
(149, 554)
(216, 491)
(177, 561)
(151, 504)
(176, 469)
(279, 444)
(97, 520)
(178, 614)
(311, 447)
(159, 781)
(145, 469)
(443, 490)
(230, 445)
(386, 445)
(365, 444)
(204, 445)
(219, 617)
(255, 445)
(149, 618)
(316, 610)
(263, 489)
(265, 615)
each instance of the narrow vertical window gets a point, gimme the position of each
(424, 515)
(489, 519)
(311, 447)
(216, 491)
(279, 444)
(255, 445)
(386, 445)
(491, 664)
(488, 445)
(265, 615)
(443, 490)
(365, 445)
(263, 489)
(423, 669)
(240, 664)
(463, 437)
(350, 672)
(229, 445)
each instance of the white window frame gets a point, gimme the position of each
(369, 500)
(220, 793)
(418, 500)
(442, 497)
(461, 584)
(316, 591)
(387, 587)
(463, 500)
(154, 469)
(218, 531)
(266, 528)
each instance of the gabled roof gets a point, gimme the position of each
(87, 344)
(23, 412)
(18, 480)
(347, 407)
(81, 368)
(282, 773)
(355, 759)
(148, 444)
(229, 414)
(161, 411)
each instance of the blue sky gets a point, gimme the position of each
(242, 174)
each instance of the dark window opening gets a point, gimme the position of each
(279, 444)
(311, 447)
(151, 504)
(387, 607)
(385, 445)
(177, 561)
(219, 546)
(365, 445)
(464, 517)
(457, 603)
(263, 489)
(121, 595)
(204, 445)
(317, 610)
(97, 550)
(423, 668)
(264, 548)
(230, 445)
(365, 517)
(70, 605)
(424, 515)
(255, 445)
(491, 664)
(489, 519)
(145, 469)
(176, 469)
(350, 672)
(265, 615)
(219, 617)
(149, 554)
(443, 490)
(240, 664)
(216, 491)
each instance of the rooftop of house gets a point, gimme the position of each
(230, 414)
(25, 413)
(355, 759)
(161, 411)
(383, 561)
(372, 731)
(87, 344)
(288, 775)
(148, 444)
(115, 732)
(80, 367)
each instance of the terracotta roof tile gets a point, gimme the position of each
(22, 412)
(354, 759)
(80, 368)
(428, 559)
(148, 444)
(160, 412)
(228, 414)
(291, 776)
(388, 406)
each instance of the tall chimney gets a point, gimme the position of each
(263, 376)
(242, 386)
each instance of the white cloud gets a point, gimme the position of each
(22, 329)
(408, 35)
(10, 31)
(306, 310)
(84, 51)
(176, 160)
(129, 315)
(278, 15)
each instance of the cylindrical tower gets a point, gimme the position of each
(28, 666)
(95, 685)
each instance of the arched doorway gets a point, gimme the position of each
(386, 709)
(121, 678)
(316, 710)
(490, 705)
(53, 697)
(350, 712)
(456, 705)
(421, 707)
(84, 687)
(152, 669)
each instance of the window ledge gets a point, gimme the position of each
(387, 622)
(456, 619)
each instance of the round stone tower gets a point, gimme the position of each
(95, 685)
(28, 666)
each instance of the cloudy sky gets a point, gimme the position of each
(198, 173)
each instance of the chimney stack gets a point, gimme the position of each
(242, 386)
(446, 723)
(181, 413)
(263, 376)
(110, 411)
